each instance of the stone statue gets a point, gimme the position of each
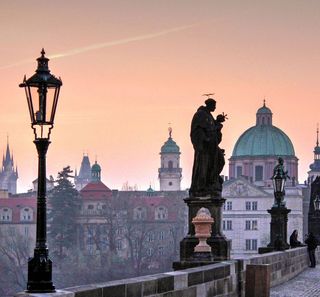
(208, 156)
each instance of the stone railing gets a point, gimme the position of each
(226, 278)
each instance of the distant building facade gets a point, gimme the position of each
(17, 215)
(249, 191)
(143, 226)
(313, 173)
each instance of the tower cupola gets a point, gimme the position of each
(264, 115)
(96, 172)
(315, 166)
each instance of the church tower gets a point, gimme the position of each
(84, 176)
(315, 166)
(8, 174)
(170, 171)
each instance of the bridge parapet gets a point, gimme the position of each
(220, 279)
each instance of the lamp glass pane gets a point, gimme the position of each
(278, 184)
(30, 105)
(50, 104)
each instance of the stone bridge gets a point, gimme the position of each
(237, 277)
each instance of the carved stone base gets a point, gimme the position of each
(220, 246)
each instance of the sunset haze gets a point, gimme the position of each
(129, 68)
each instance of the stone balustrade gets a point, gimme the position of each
(226, 278)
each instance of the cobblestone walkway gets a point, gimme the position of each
(306, 284)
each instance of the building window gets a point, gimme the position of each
(227, 225)
(149, 252)
(90, 206)
(161, 213)
(5, 214)
(160, 250)
(26, 231)
(150, 236)
(252, 225)
(170, 164)
(26, 214)
(170, 183)
(254, 205)
(161, 235)
(259, 173)
(229, 205)
(239, 171)
(140, 213)
(251, 244)
(119, 245)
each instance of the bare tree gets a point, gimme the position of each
(15, 250)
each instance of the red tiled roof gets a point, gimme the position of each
(95, 191)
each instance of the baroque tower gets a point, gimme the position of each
(95, 173)
(170, 171)
(315, 166)
(8, 175)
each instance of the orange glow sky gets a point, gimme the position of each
(131, 67)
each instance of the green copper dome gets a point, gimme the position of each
(170, 146)
(264, 109)
(96, 167)
(263, 139)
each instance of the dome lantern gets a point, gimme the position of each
(264, 115)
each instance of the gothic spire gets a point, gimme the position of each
(8, 156)
(318, 134)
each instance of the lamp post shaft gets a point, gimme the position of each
(40, 266)
(41, 239)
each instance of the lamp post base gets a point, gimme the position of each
(40, 273)
(278, 230)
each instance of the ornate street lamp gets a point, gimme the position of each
(279, 212)
(316, 203)
(42, 92)
(279, 180)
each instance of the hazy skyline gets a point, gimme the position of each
(131, 67)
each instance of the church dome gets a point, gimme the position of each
(170, 146)
(263, 139)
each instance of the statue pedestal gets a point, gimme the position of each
(278, 230)
(220, 246)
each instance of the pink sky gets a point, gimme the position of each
(131, 67)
